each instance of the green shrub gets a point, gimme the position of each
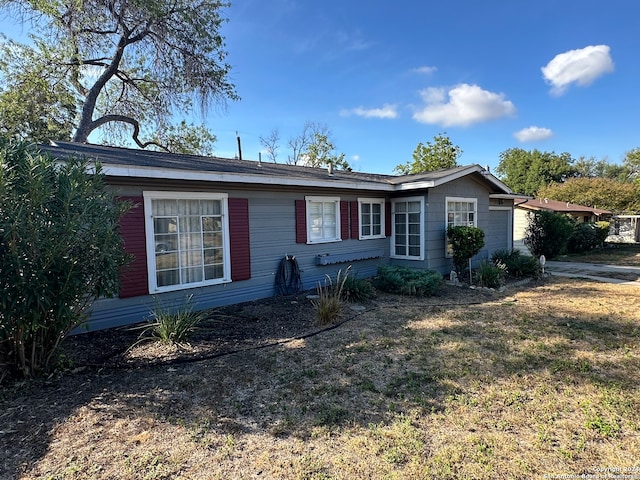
(356, 289)
(602, 232)
(60, 249)
(583, 238)
(408, 281)
(502, 255)
(516, 264)
(172, 324)
(548, 233)
(465, 243)
(488, 274)
(330, 296)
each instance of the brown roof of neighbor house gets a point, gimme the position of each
(117, 161)
(559, 206)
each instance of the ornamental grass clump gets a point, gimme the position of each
(489, 275)
(330, 296)
(172, 324)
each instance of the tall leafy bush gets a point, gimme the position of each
(548, 233)
(59, 250)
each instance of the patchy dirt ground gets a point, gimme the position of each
(539, 380)
(233, 328)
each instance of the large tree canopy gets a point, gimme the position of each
(442, 153)
(129, 65)
(604, 193)
(526, 171)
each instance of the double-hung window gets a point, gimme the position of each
(323, 219)
(408, 228)
(371, 214)
(460, 212)
(187, 239)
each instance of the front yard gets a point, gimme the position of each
(543, 379)
(614, 253)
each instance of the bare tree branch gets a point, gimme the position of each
(136, 129)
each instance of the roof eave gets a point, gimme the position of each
(199, 175)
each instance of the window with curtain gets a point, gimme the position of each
(323, 219)
(189, 241)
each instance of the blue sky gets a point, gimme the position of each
(553, 75)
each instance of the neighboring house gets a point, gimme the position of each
(523, 206)
(624, 229)
(219, 228)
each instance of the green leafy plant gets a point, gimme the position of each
(548, 233)
(172, 324)
(465, 242)
(602, 232)
(408, 281)
(516, 264)
(330, 296)
(60, 249)
(490, 275)
(583, 238)
(356, 289)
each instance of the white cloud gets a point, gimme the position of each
(533, 134)
(580, 66)
(387, 111)
(425, 70)
(462, 105)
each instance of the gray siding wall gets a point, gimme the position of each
(435, 224)
(463, 188)
(272, 228)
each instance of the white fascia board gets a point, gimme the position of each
(509, 196)
(439, 181)
(198, 175)
(414, 185)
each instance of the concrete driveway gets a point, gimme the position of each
(595, 271)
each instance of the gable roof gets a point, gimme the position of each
(561, 207)
(125, 162)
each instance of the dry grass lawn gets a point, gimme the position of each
(615, 254)
(542, 380)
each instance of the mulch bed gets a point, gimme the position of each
(229, 329)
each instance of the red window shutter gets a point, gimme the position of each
(240, 245)
(344, 219)
(355, 223)
(301, 221)
(134, 277)
(387, 219)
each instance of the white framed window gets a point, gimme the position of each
(460, 211)
(371, 215)
(407, 228)
(323, 219)
(187, 237)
